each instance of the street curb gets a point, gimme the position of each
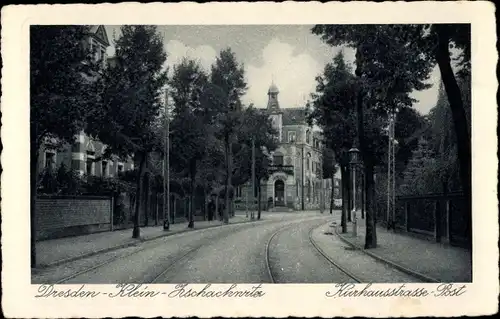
(132, 243)
(387, 261)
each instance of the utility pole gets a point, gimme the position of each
(391, 172)
(253, 177)
(303, 168)
(166, 169)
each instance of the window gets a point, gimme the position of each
(308, 136)
(336, 193)
(50, 160)
(308, 185)
(291, 137)
(103, 55)
(278, 160)
(104, 166)
(120, 168)
(90, 163)
(308, 161)
(98, 53)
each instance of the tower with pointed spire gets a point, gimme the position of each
(295, 180)
(273, 107)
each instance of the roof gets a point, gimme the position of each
(273, 88)
(99, 32)
(294, 116)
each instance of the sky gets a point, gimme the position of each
(289, 55)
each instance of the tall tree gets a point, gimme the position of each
(333, 110)
(131, 101)
(227, 87)
(190, 125)
(387, 71)
(62, 94)
(257, 130)
(440, 40)
(459, 35)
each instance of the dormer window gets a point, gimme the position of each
(291, 137)
(50, 159)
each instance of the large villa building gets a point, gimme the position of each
(83, 155)
(295, 182)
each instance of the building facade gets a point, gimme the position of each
(84, 155)
(295, 181)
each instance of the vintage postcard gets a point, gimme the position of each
(249, 160)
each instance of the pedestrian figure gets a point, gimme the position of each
(211, 209)
(221, 210)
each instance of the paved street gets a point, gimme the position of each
(231, 253)
(300, 247)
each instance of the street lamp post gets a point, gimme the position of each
(354, 162)
(166, 170)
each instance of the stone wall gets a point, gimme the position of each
(63, 216)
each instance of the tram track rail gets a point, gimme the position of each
(330, 260)
(267, 252)
(177, 257)
(313, 243)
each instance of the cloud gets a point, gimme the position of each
(177, 50)
(294, 74)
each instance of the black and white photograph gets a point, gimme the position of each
(277, 159)
(319, 153)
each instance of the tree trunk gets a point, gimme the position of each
(331, 194)
(345, 197)
(191, 202)
(146, 200)
(371, 233)
(136, 232)
(363, 195)
(33, 189)
(228, 179)
(258, 202)
(459, 118)
(371, 236)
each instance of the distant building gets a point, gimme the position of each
(83, 155)
(295, 174)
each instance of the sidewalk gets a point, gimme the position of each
(58, 251)
(433, 261)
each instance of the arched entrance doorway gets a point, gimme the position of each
(279, 193)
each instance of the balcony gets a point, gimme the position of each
(287, 169)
